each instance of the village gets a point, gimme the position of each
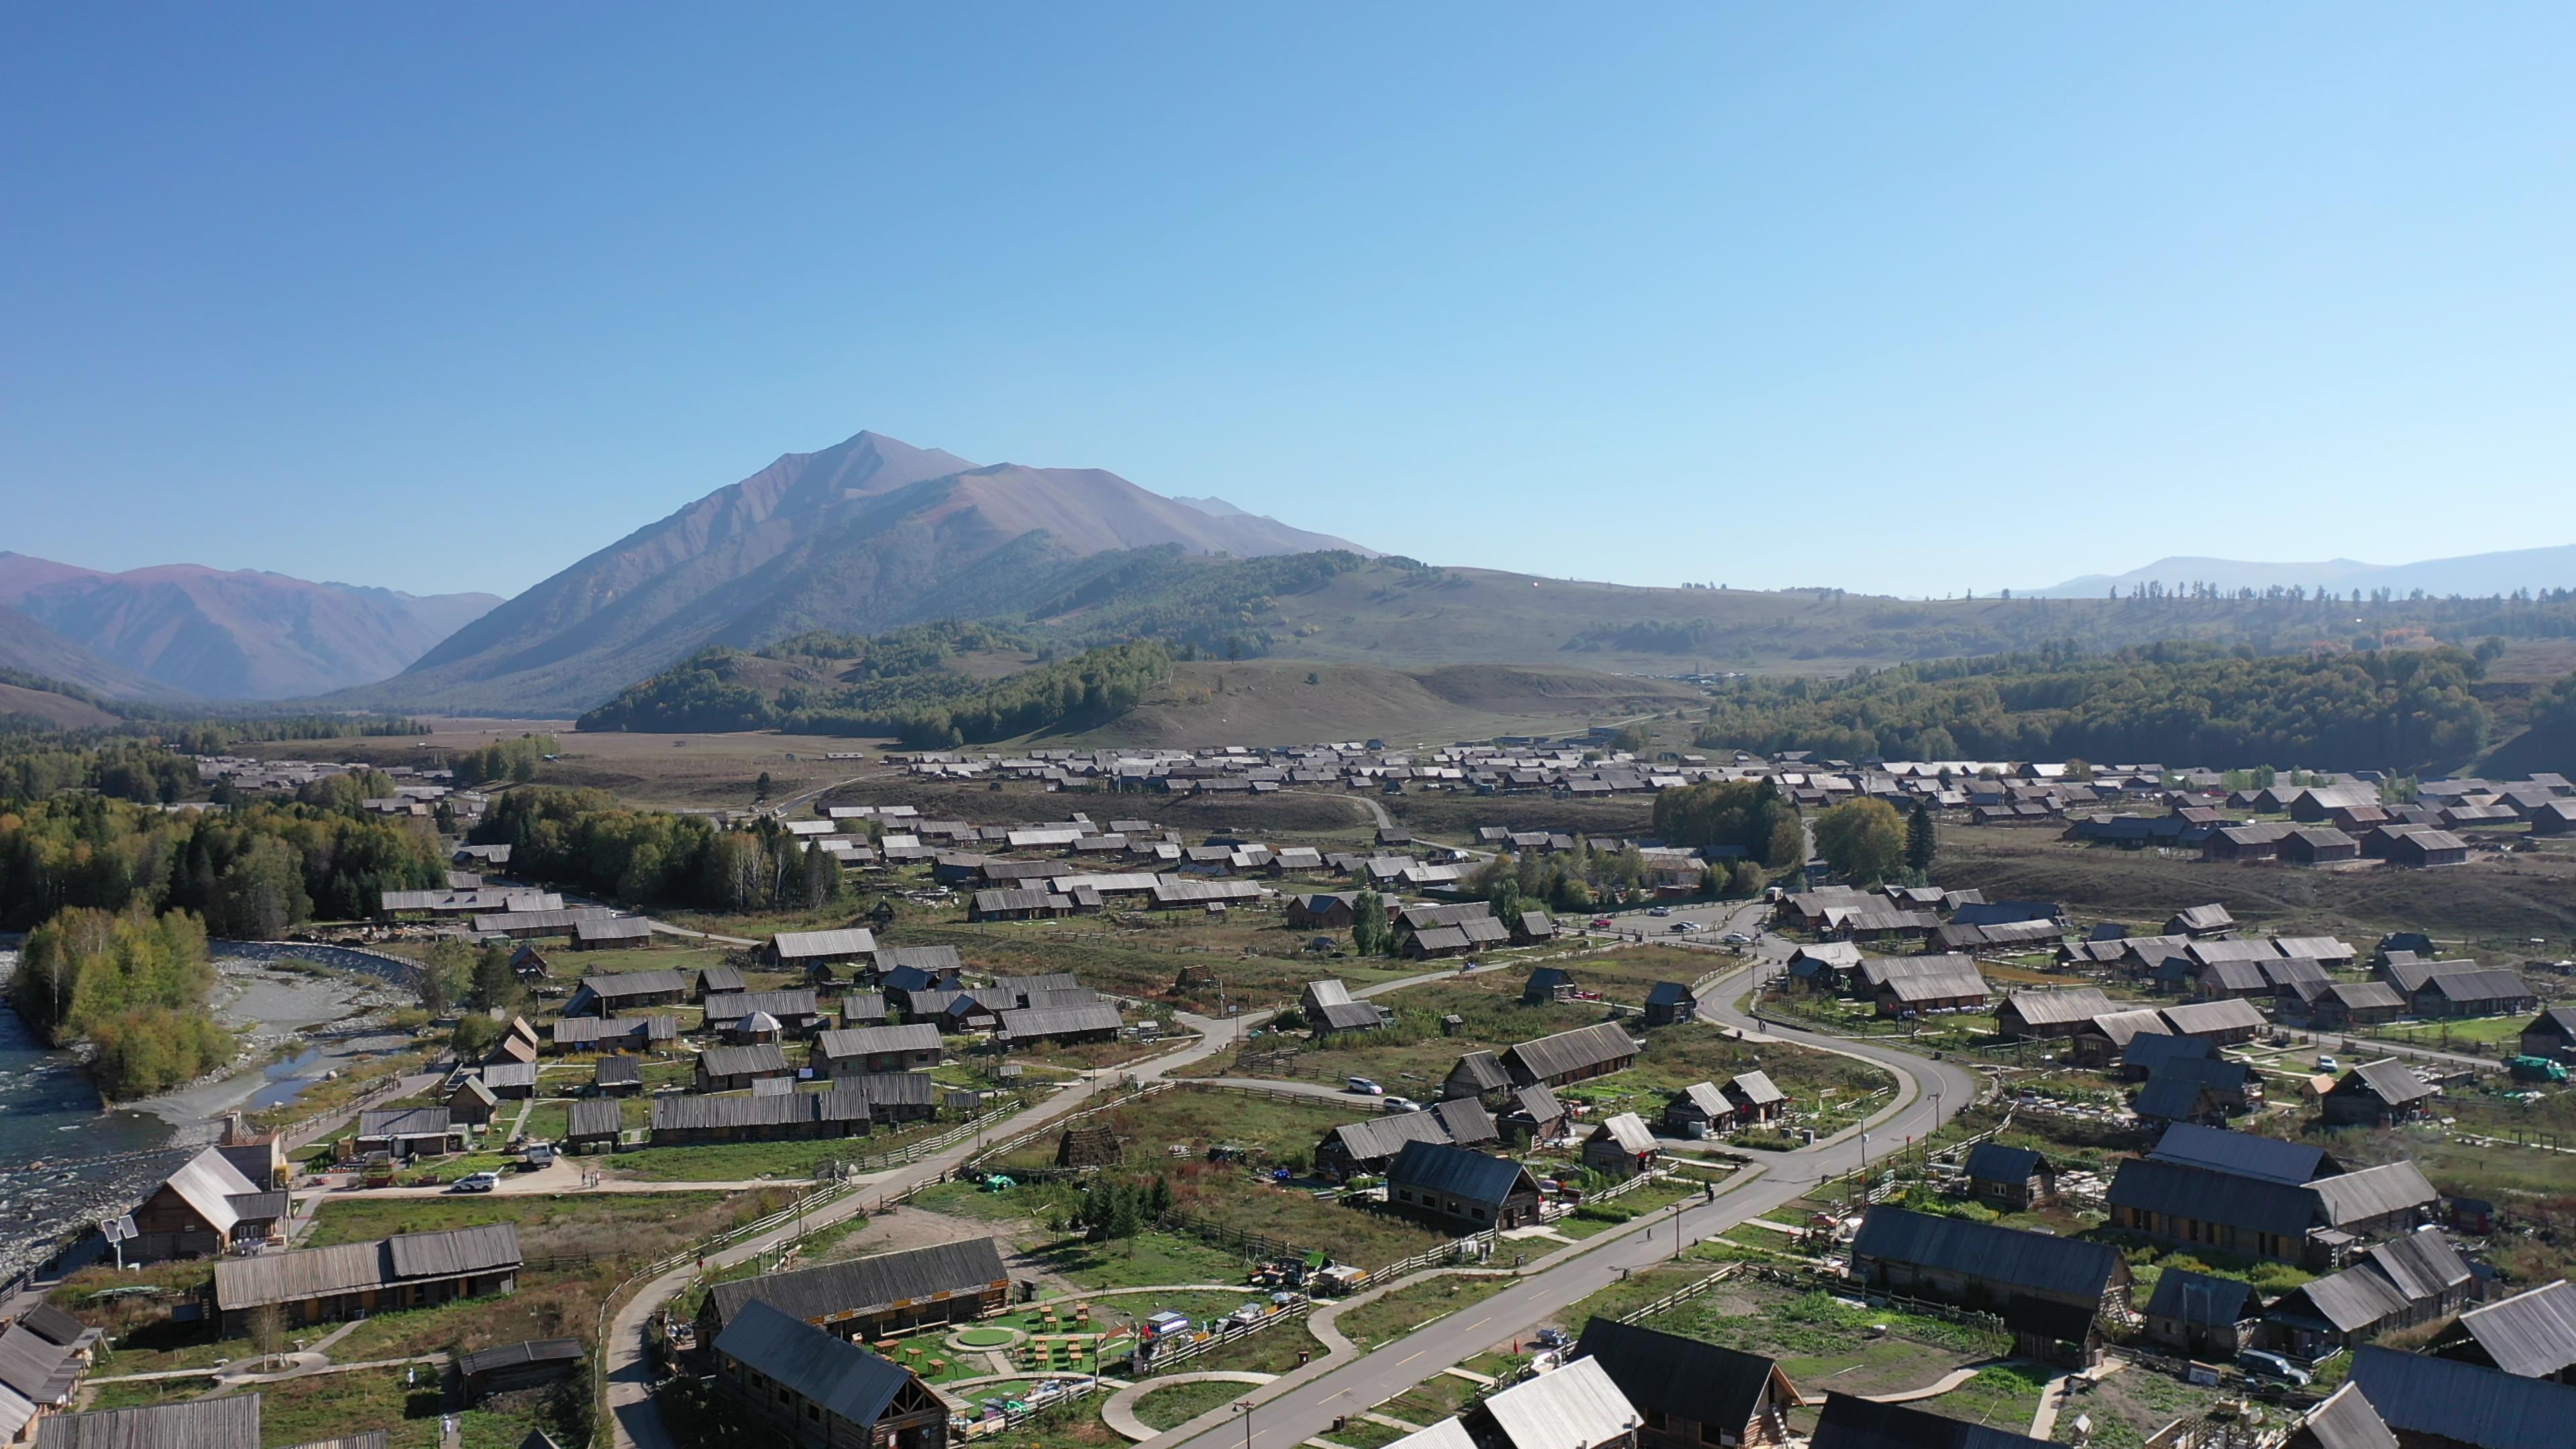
(1083, 1111)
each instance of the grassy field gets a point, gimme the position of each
(1194, 1119)
(1391, 1316)
(1414, 1056)
(643, 1225)
(2490, 905)
(747, 1161)
(1172, 1407)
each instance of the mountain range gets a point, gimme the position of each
(2477, 575)
(875, 535)
(866, 535)
(180, 629)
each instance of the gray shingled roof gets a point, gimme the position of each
(2531, 1335)
(1578, 1050)
(845, 1379)
(2240, 1153)
(1439, 1167)
(2252, 1203)
(2201, 1298)
(229, 1422)
(867, 1285)
(2373, 1192)
(1668, 1374)
(2467, 1402)
(2038, 1262)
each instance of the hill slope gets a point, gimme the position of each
(1273, 702)
(866, 535)
(236, 635)
(2471, 576)
(30, 648)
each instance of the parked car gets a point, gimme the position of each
(1660, 911)
(1601, 923)
(1397, 1106)
(1736, 938)
(2325, 1062)
(1363, 1086)
(476, 1182)
(2261, 1365)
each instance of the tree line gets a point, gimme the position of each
(933, 708)
(583, 840)
(2401, 709)
(132, 983)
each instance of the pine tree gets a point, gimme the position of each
(1921, 842)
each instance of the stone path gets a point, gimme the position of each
(1932, 1390)
(1120, 1412)
(2052, 1396)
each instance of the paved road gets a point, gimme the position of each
(1929, 1092)
(635, 1420)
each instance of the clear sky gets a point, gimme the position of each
(1902, 298)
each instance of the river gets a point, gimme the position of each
(66, 1162)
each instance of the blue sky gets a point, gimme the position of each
(1898, 298)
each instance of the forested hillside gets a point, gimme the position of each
(900, 685)
(2399, 709)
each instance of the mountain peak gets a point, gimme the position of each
(846, 538)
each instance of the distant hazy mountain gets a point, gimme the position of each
(2478, 575)
(241, 635)
(30, 647)
(863, 536)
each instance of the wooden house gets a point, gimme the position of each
(2010, 1179)
(1459, 1189)
(2376, 1094)
(1670, 1003)
(1691, 1394)
(1698, 1111)
(1621, 1147)
(2551, 1034)
(206, 1208)
(2199, 1316)
(2048, 1290)
(351, 1280)
(1755, 1098)
(803, 1386)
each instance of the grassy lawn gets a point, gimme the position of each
(1413, 1057)
(1144, 960)
(2001, 1396)
(1142, 1262)
(642, 1226)
(548, 1121)
(1365, 1434)
(1171, 1408)
(1644, 1202)
(1385, 1319)
(2128, 1406)
(744, 1161)
(572, 965)
(1194, 1120)
(327, 1406)
(1442, 1395)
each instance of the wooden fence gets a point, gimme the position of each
(1162, 1360)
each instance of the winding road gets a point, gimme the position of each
(1304, 1404)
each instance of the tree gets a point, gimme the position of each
(446, 975)
(760, 787)
(1368, 924)
(820, 880)
(496, 982)
(1921, 841)
(474, 1037)
(1863, 840)
(1786, 844)
(1744, 878)
(1503, 889)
